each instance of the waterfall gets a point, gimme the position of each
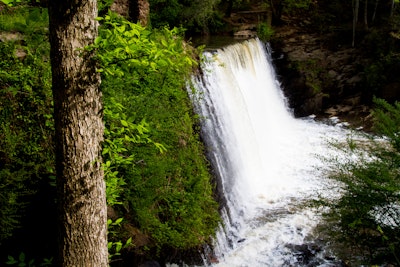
(264, 159)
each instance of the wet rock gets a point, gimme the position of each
(312, 105)
(355, 79)
(312, 255)
(332, 73)
(302, 252)
(352, 101)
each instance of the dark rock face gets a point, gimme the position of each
(313, 76)
(320, 80)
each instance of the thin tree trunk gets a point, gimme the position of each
(140, 11)
(228, 11)
(79, 133)
(276, 7)
(366, 14)
(375, 9)
(356, 4)
(121, 7)
(392, 8)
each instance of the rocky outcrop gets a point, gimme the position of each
(321, 74)
(318, 78)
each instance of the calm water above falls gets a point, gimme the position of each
(265, 160)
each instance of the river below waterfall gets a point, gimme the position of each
(266, 162)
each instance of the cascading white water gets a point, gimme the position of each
(264, 158)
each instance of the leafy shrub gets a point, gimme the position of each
(27, 20)
(264, 31)
(195, 15)
(26, 131)
(22, 261)
(151, 145)
(368, 212)
(166, 184)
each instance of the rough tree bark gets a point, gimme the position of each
(121, 7)
(140, 11)
(137, 11)
(277, 7)
(79, 133)
(376, 7)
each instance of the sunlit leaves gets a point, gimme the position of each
(155, 166)
(131, 47)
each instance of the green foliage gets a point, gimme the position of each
(104, 5)
(264, 31)
(115, 247)
(291, 5)
(29, 25)
(124, 47)
(26, 152)
(11, 2)
(22, 261)
(381, 45)
(26, 20)
(26, 133)
(151, 144)
(120, 135)
(368, 211)
(166, 188)
(19, 3)
(194, 15)
(387, 118)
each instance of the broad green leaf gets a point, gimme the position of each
(121, 28)
(22, 257)
(97, 40)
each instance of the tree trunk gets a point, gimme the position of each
(140, 11)
(366, 14)
(376, 7)
(277, 8)
(121, 7)
(229, 8)
(392, 8)
(356, 4)
(79, 133)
